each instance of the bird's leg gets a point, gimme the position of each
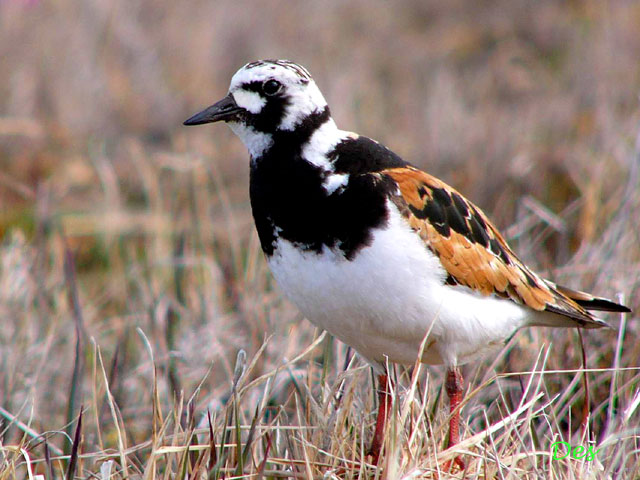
(384, 407)
(453, 385)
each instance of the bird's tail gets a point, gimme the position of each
(590, 302)
(572, 309)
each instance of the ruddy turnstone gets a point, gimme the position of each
(374, 250)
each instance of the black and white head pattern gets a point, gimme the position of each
(277, 96)
(311, 182)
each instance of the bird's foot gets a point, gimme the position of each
(374, 454)
(449, 465)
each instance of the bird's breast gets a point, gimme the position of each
(380, 301)
(298, 202)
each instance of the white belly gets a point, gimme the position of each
(385, 301)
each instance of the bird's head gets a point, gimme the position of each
(267, 97)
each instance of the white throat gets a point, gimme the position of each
(256, 142)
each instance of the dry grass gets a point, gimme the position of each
(138, 316)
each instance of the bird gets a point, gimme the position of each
(387, 258)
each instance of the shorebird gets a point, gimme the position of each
(374, 250)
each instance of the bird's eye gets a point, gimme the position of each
(271, 87)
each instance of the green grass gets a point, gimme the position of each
(133, 292)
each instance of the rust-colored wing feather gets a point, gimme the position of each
(475, 254)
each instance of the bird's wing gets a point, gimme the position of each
(472, 251)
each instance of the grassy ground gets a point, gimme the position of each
(138, 315)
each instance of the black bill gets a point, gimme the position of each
(224, 110)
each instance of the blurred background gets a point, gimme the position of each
(113, 216)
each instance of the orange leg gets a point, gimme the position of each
(453, 386)
(384, 407)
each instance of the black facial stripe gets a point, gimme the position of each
(270, 116)
(254, 86)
